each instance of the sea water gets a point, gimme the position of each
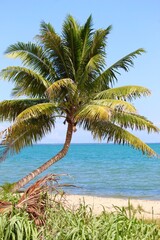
(95, 169)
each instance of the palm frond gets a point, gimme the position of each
(133, 121)
(86, 36)
(33, 56)
(54, 90)
(109, 76)
(10, 109)
(94, 113)
(123, 93)
(35, 200)
(95, 55)
(54, 46)
(72, 40)
(45, 28)
(27, 81)
(99, 42)
(102, 110)
(25, 133)
(95, 63)
(112, 132)
(36, 111)
(118, 105)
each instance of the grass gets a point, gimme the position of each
(84, 225)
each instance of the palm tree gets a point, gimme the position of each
(66, 76)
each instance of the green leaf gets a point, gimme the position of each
(27, 81)
(118, 105)
(94, 113)
(109, 76)
(33, 56)
(25, 133)
(55, 48)
(57, 87)
(123, 93)
(36, 111)
(112, 132)
(133, 121)
(10, 109)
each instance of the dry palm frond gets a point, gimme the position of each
(36, 199)
(5, 206)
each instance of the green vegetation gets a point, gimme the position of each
(82, 224)
(17, 226)
(35, 215)
(65, 76)
(7, 195)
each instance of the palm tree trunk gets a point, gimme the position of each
(22, 182)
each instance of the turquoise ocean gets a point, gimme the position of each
(105, 170)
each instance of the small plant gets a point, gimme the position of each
(131, 210)
(7, 187)
(140, 208)
(7, 195)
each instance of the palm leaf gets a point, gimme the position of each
(86, 36)
(25, 133)
(72, 40)
(36, 111)
(54, 90)
(35, 199)
(109, 75)
(115, 105)
(123, 93)
(94, 60)
(29, 82)
(10, 109)
(93, 113)
(103, 110)
(53, 44)
(112, 132)
(99, 42)
(95, 57)
(34, 56)
(95, 63)
(133, 121)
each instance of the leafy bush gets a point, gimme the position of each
(17, 227)
(82, 224)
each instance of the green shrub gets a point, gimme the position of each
(7, 195)
(17, 227)
(82, 224)
(7, 187)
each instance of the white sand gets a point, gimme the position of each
(151, 209)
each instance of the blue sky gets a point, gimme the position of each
(135, 24)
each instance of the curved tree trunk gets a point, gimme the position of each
(46, 165)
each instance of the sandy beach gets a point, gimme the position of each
(149, 208)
